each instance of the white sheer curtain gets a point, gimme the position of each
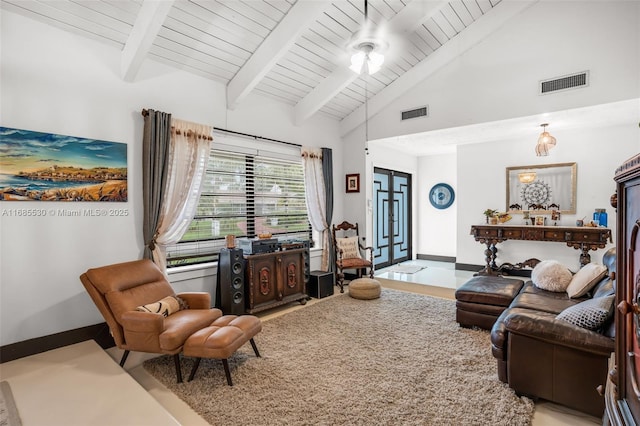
(315, 194)
(188, 157)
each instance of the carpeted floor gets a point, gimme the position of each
(400, 359)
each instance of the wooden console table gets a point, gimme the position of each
(584, 238)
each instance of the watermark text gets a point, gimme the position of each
(64, 212)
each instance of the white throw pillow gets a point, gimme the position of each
(584, 280)
(551, 275)
(349, 247)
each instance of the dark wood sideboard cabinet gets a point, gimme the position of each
(622, 395)
(274, 279)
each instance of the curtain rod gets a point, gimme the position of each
(257, 137)
(145, 112)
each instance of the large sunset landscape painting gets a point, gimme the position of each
(37, 166)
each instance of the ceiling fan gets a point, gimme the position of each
(368, 47)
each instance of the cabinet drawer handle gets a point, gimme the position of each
(625, 308)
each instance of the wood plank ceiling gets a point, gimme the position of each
(293, 51)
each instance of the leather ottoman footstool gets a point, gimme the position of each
(221, 339)
(481, 300)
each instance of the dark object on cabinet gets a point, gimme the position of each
(622, 396)
(320, 284)
(543, 357)
(230, 291)
(276, 279)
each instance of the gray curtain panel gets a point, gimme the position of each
(327, 174)
(155, 149)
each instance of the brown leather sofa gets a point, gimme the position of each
(540, 356)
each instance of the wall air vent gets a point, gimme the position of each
(415, 113)
(573, 81)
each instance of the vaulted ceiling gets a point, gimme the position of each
(294, 51)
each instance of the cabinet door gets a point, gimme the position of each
(631, 278)
(292, 267)
(263, 280)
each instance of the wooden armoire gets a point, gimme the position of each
(622, 396)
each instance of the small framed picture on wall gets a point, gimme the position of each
(353, 183)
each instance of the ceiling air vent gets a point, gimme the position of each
(563, 83)
(415, 113)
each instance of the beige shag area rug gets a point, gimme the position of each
(398, 360)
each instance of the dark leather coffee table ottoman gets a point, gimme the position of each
(481, 300)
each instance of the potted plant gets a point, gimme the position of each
(490, 213)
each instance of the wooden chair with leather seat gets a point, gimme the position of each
(350, 252)
(118, 291)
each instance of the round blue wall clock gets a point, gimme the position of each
(441, 196)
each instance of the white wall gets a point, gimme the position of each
(437, 231)
(354, 161)
(482, 185)
(53, 81)
(498, 78)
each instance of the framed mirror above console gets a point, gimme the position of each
(542, 188)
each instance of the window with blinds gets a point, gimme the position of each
(244, 194)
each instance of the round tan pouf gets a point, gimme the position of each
(364, 288)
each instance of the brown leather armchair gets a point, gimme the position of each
(350, 253)
(118, 289)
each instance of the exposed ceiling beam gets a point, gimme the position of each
(407, 20)
(465, 40)
(323, 93)
(148, 23)
(274, 47)
(413, 15)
